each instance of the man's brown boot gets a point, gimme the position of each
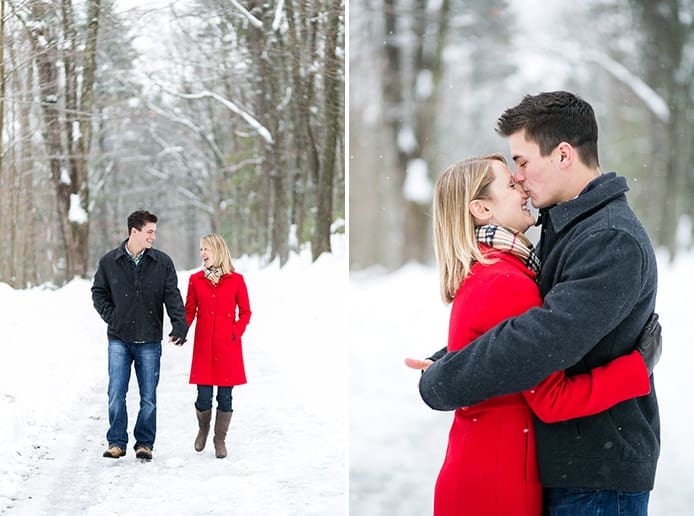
(143, 452)
(114, 452)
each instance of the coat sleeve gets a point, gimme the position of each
(441, 352)
(101, 294)
(560, 396)
(244, 308)
(174, 303)
(191, 302)
(597, 291)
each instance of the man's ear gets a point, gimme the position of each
(566, 154)
(479, 209)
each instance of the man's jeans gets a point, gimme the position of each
(586, 502)
(147, 357)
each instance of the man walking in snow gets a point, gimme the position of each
(131, 285)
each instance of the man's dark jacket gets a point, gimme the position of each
(598, 282)
(130, 298)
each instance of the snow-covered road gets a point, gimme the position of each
(287, 440)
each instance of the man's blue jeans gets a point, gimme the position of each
(147, 358)
(587, 502)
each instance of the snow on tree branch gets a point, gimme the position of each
(250, 120)
(252, 19)
(279, 10)
(187, 123)
(192, 197)
(650, 98)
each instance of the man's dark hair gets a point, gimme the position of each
(551, 118)
(138, 219)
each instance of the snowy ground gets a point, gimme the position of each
(397, 444)
(288, 437)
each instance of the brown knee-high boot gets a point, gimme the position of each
(204, 418)
(221, 425)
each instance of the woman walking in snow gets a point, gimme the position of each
(217, 297)
(487, 270)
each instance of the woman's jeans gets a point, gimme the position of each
(147, 357)
(587, 502)
(204, 401)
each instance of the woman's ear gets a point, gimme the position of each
(480, 211)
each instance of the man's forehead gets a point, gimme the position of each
(517, 154)
(522, 148)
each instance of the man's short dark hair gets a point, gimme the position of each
(551, 118)
(138, 219)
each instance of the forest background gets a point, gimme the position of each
(215, 116)
(440, 72)
(428, 80)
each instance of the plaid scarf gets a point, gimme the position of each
(510, 241)
(213, 274)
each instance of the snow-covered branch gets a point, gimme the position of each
(191, 196)
(194, 199)
(189, 124)
(252, 19)
(561, 49)
(244, 163)
(250, 120)
(279, 10)
(648, 96)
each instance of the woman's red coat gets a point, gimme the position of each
(490, 466)
(217, 353)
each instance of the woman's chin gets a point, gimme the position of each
(525, 227)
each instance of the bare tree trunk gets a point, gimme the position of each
(6, 259)
(3, 78)
(331, 107)
(46, 59)
(307, 158)
(669, 71)
(256, 45)
(79, 229)
(678, 167)
(67, 146)
(265, 105)
(409, 115)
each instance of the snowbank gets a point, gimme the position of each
(397, 444)
(287, 440)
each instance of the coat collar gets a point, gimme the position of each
(599, 192)
(495, 254)
(200, 275)
(120, 252)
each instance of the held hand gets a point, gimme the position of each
(176, 341)
(414, 363)
(650, 342)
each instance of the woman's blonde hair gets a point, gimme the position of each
(455, 243)
(222, 256)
